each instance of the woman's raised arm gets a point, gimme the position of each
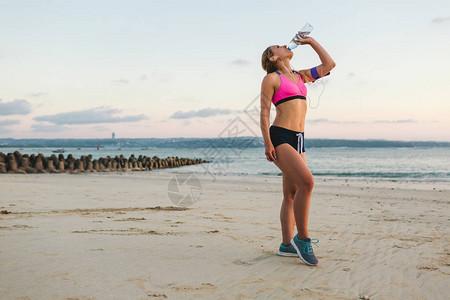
(327, 62)
(319, 71)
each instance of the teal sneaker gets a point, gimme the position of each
(304, 249)
(287, 250)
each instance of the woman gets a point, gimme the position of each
(284, 140)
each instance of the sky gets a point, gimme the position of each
(166, 69)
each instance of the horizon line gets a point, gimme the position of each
(111, 139)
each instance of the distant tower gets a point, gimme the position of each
(113, 135)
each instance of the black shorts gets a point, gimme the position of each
(280, 135)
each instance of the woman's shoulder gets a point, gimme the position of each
(271, 76)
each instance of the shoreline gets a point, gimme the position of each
(325, 177)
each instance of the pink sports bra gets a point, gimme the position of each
(289, 90)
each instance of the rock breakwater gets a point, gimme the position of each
(17, 163)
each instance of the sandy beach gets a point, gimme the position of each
(119, 236)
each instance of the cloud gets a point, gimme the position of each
(4, 123)
(332, 121)
(37, 95)
(48, 128)
(9, 122)
(202, 113)
(440, 20)
(396, 121)
(16, 107)
(3, 126)
(120, 82)
(240, 62)
(90, 116)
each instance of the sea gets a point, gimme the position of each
(390, 163)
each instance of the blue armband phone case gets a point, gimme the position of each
(315, 75)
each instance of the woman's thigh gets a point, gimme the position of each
(289, 186)
(293, 167)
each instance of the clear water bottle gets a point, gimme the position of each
(299, 36)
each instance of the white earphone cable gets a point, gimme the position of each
(318, 99)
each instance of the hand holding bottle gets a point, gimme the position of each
(306, 40)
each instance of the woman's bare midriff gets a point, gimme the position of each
(291, 115)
